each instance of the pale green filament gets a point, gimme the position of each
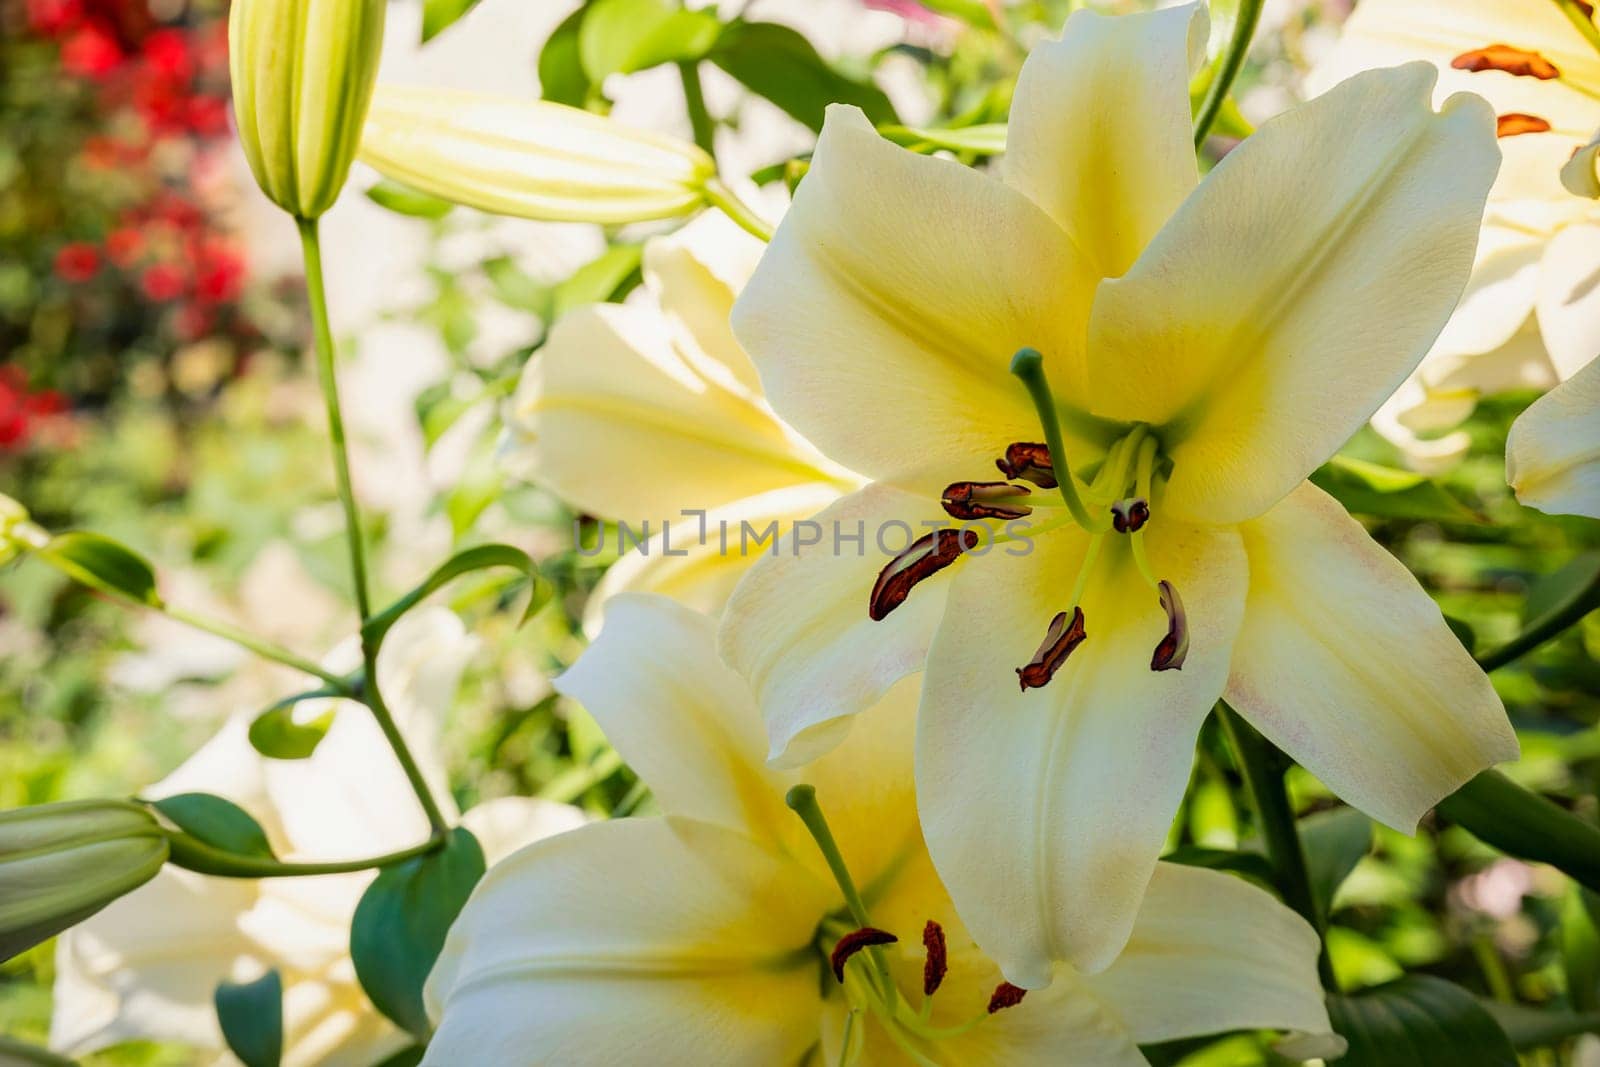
(1028, 365)
(1144, 473)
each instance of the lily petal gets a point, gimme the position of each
(1211, 953)
(560, 958)
(885, 312)
(1569, 298)
(1100, 133)
(1346, 664)
(1045, 810)
(811, 669)
(680, 717)
(1553, 451)
(1285, 300)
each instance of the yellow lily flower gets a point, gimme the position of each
(1208, 346)
(146, 966)
(531, 158)
(732, 954)
(1530, 316)
(650, 413)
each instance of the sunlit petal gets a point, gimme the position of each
(1553, 452)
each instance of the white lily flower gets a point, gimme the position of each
(1530, 317)
(707, 935)
(649, 413)
(1208, 345)
(147, 966)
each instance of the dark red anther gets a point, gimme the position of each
(854, 942)
(1129, 515)
(1030, 462)
(1174, 647)
(1059, 641)
(1005, 996)
(937, 961)
(924, 557)
(1509, 59)
(984, 500)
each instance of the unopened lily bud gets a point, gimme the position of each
(531, 158)
(303, 72)
(61, 863)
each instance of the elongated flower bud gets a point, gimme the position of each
(303, 72)
(18, 533)
(61, 863)
(531, 158)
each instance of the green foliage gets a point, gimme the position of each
(251, 1016)
(439, 15)
(103, 565)
(780, 65)
(623, 36)
(1419, 1021)
(1334, 842)
(277, 734)
(214, 822)
(401, 922)
(466, 561)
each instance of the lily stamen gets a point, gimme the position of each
(1060, 640)
(925, 556)
(969, 501)
(1173, 649)
(1029, 462)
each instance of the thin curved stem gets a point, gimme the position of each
(263, 648)
(1263, 766)
(723, 199)
(1028, 366)
(369, 693)
(694, 96)
(1548, 626)
(1226, 69)
(202, 857)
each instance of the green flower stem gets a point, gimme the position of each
(722, 198)
(1263, 767)
(1582, 20)
(188, 850)
(1226, 69)
(264, 649)
(369, 693)
(700, 120)
(1546, 627)
(1028, 366)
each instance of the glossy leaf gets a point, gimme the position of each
(1580, 948)
(1334, 843)
(401, 922)
(623, 36)
(217, 822)
(1419, 1021)
(482, 557)
(1386, 493)
(1540, 1027)
(561, 75)
(277, 734)
(402, 199)
(251, 1016)
(103, 564)
(780, 65)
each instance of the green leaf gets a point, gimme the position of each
(623, 36)
(217, 822)
(1555, 592)
(1419, 1021)
(561, 75)
(103, 564)
(466, 561)
(1334, 842)
(1530, 1028)
(1580, 948)
(779, 64)
(251, 1014)
(402, 199)
(1386, 493)
(988, 139)
(515, 287)
(972, 12)
(438, 15)
(1524, 824)
(401, 922)
(21, 1054)
(606, 277)
(277, 734)
(409, 1056)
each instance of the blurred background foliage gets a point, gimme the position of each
(151, 389)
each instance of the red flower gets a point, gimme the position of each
(51, 17)
(220, 275)
(91, 52)
(124, 246)
(167, 54)
(77, 262)
(163, 282)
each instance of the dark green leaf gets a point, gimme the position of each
(622, 36)
(1553, 593)
(1524, 824)
(1252, 865)
(404, 200)
(1580, 948)
(1419, 1021)
(401, 923)
(1538, 1027)
(251, 1014)
(1463, 631)
(277, 734)
(1334, 843)
(103, 564)
(406, 1057)
(779, 64)
(561, 75)
(217, 822)
(479, 558)
(438, 15)
(1386, 493)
